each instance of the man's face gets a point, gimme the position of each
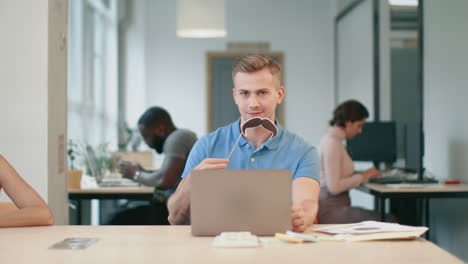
(257, 94)
(151, 137)
(353, 129)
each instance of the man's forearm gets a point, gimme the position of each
(310, 210)
(306, 194)
(178, 204)
(150, 178)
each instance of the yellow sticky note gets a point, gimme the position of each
(287, 238)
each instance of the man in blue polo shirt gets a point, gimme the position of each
(257, 92)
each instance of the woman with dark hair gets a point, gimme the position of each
(337, 175)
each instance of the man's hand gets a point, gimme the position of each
(128, 169)
(305, 203)
(298, 218)
(178, 204)
(212, 164)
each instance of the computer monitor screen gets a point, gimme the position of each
(413, 149)
(377, 143)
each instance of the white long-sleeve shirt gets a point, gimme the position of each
(337, 169)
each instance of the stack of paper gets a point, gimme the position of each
(236, 239)
(370, 230)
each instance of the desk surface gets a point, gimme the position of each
(415, 190)
(122, 190)
(174, 244)
(409, 188)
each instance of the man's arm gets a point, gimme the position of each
(166, 177)
(179, 202)
(169, 173)
(305, 192)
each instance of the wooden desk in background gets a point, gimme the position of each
(420, 192)
(174, 244)
(108, 193)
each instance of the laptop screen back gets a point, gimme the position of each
(257, 201)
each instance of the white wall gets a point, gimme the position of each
(303, 31)
(385, 61)
(356, 48)
(33, 96)
(355, 40)
(356, 69)
(56, 129)
(445, 122)
(133, 59)
(25, 138)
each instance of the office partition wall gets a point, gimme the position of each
(356, 55)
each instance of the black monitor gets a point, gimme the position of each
(414, 151)
(376, 143)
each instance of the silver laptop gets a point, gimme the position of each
(257, 201)
(96, 171)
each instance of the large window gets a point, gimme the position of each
(93, 72)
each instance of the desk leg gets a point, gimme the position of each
(426, 215)
(426, 211)
(376, 204)
(382, 209)
(78, 211)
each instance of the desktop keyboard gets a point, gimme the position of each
(387, 179)
(393, 176)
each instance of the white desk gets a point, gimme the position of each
(420, 192)
(174, 244)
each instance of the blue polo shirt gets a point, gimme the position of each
(285, 151)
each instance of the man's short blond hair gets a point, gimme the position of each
(256, 62)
